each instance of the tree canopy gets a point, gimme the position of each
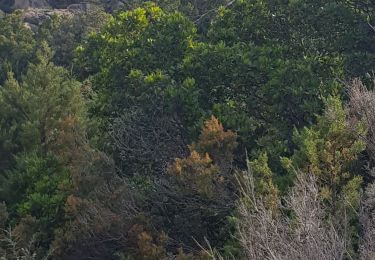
(187, 130)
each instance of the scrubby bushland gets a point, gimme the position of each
(189, 130)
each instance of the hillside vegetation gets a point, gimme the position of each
(183, 129)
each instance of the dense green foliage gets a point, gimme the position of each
(131, 134)
(17, 46)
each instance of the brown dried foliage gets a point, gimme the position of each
(218, 143)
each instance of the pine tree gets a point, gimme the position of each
(41, 116)
(328, 149)
(33, 109)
